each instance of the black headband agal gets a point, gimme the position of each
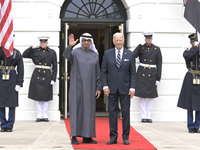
(86, 36)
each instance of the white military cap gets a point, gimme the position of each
(148, 34)
(43, 38)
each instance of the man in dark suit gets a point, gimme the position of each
(118, 80)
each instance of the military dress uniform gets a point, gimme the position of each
(43, 77)
(189, 97)
(148, 74)
(11, 79)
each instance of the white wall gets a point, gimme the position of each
(31, 19)
(165, 19)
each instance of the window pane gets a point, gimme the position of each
(92, 9)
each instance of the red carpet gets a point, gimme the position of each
(137, 141)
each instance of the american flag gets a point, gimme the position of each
(6, 27)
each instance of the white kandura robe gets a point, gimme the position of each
(84, 81)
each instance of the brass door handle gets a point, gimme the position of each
(65, 76)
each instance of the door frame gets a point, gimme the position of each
(64, 75)
(64, 66)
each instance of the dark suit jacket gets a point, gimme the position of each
(121, 79)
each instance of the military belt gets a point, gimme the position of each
(7, 67)
(42, 67)
(194, 71)
(147, 65)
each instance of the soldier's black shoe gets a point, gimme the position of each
(149, 121)
(191, 131)
(45, 119)
(74, 141)
(196, 130)
(89, 140)
(144, 120)
(38, 120)
(9, 130)
(3, 129)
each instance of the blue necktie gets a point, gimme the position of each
(118, 59)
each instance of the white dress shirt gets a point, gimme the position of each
(121, 53)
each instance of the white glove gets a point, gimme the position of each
(52, 82)
(17, 88)
(196, 43)
(35, 46)
(157, 82)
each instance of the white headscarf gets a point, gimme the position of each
(86, 36)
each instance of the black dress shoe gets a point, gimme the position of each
(74, 141)
(45, 119)
(144, 120)
(191, 131)
(149, 121)
(112, 142)
(89, 140)
(196, 130)
(126, 142)
(9, 130)
(38, 120)
(3, 129)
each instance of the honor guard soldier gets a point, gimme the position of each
(189, 97)
(43, 76)
(11, 79)
(148, 75)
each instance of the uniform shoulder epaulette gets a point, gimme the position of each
(156, 47)
(142, 46)
(49, 49)
(139, 46)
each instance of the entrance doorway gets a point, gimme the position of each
(102, 35)
(101, 19)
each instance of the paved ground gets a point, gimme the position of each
(30, 135)
(169, 136)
